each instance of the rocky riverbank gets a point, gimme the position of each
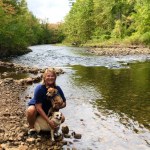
(119, 50)
(13, 124)
(14, 127)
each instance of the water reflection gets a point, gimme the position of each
(9, 72)
(124, 91)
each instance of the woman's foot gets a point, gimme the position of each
(32, 131)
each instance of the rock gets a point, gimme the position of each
(1, 81)
(31, 140)
(33, 70)
(23, 147)
(3, 146)
(2, 130)
(8, 80)
(65, 129)
(59, 71)
(20, 135)
(67, 135)
(37, 79)
(5, 74)
(76, 135)
(29, 80)
(64, 142)
(28, 97)
(38, 139)
(6, 114)
(20, 82)
(42, 70)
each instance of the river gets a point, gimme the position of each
(108, 98)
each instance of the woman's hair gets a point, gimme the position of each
(52, 70)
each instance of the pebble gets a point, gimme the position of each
(30, 140)
(23, 147)
(115, 51)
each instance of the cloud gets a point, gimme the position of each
(53, 10)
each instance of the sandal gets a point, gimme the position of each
(31, 131)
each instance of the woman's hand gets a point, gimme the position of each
(42, 113)
(52, 124)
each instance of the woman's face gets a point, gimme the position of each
(50, 78)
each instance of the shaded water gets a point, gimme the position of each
(108, 98)
(123, 91)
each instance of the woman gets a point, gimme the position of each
(39, 104)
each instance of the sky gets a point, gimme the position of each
(51, 10)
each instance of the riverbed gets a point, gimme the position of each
(108, 97)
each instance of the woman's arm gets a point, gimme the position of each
(43, 115)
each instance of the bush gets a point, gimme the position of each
(145, 38)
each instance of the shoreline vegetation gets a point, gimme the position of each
(97, 25)
(5, 54)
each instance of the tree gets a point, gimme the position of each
(18, 27)
(79, 23)
(141, 23)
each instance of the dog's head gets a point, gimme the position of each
(57, 115)
(51, 92)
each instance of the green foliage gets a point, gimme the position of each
(103, 19)
(16, 34)
(79, 24)
(145, 38)
(19, 28)
(95, 20)
(141, 23)
(117, 31)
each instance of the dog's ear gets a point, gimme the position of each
(61, 113)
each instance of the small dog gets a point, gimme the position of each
(56, 99)
(42, 125)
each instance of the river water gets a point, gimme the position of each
(108, 98)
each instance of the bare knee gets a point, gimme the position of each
(31, 111)
(31, 114)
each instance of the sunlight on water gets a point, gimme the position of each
(59, 56)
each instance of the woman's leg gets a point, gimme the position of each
(31, 114)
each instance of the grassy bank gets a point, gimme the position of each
(114, 43)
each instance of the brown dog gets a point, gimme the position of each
(55, 98)
(41, 124)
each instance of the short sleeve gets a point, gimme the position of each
(38, 94)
